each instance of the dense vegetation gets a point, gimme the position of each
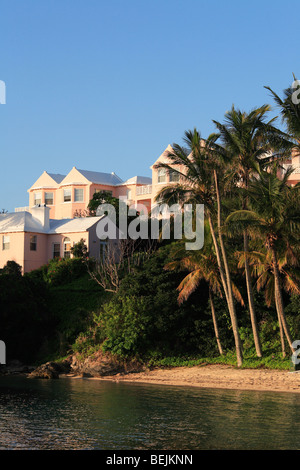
(236, 300)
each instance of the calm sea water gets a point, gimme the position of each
(88, 414)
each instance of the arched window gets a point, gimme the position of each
(67, 247)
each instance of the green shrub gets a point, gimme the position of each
(64, 270)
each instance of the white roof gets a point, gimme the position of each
(111, 179)
(138, 180)
(79, 224)
(24, 222)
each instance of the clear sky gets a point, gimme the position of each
(107, 85)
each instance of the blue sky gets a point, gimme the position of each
(107, 85)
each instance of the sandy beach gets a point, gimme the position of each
(215, 376)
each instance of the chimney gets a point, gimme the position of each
(41, 214)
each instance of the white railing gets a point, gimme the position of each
(147, 189)
(22, 209)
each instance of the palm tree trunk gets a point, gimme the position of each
(280, 328)
(251, 299)
(218, 255)
(215, 322)
(279, 303)
(238, 344)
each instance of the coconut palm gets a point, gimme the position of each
(199, 184)
(290, 111)
(262, 269)
(248, 141)
(273, 218)
(201, 265)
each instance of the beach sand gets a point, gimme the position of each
(215, 376)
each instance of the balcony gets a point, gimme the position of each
(22, 209)
(146, 189)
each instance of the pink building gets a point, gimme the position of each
(31, 239)
(33, 235)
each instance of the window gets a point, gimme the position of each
(49, 199)
(161, 175)
(56, 250)
(5, 242)
(33, 242)
(173, 176)
(67, 248)
(78, 195)
(128, 193)
(103, 250)
(37, 198)
(67, 195)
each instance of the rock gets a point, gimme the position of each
(101, 365)
(45, 371)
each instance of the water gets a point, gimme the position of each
(91, 414)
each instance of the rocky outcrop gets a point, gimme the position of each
(50, 370)
(97, 365)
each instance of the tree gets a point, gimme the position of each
(199, 184)
(13, 269)
(247, 139)
(290, 112)
(201, 265)
(274, 218)
(79, 250)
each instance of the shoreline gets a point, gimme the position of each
(210, 376)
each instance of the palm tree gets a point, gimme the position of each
(290, 112)
(262, 269)
(247, 139)
(201, 265)
(273, 219)
(198, 184)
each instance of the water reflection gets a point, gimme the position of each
(88, 414)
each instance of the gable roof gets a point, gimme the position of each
(163, 158)
(48, 180)
(110, 179)
(57, 177)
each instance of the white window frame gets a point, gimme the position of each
(5, 242)
(161, 175)
(47, 197)
(33, 243)
(76, 196)
(67, 193)
(67, 241)
(53, 246)
(172, 174)
(36, 199)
